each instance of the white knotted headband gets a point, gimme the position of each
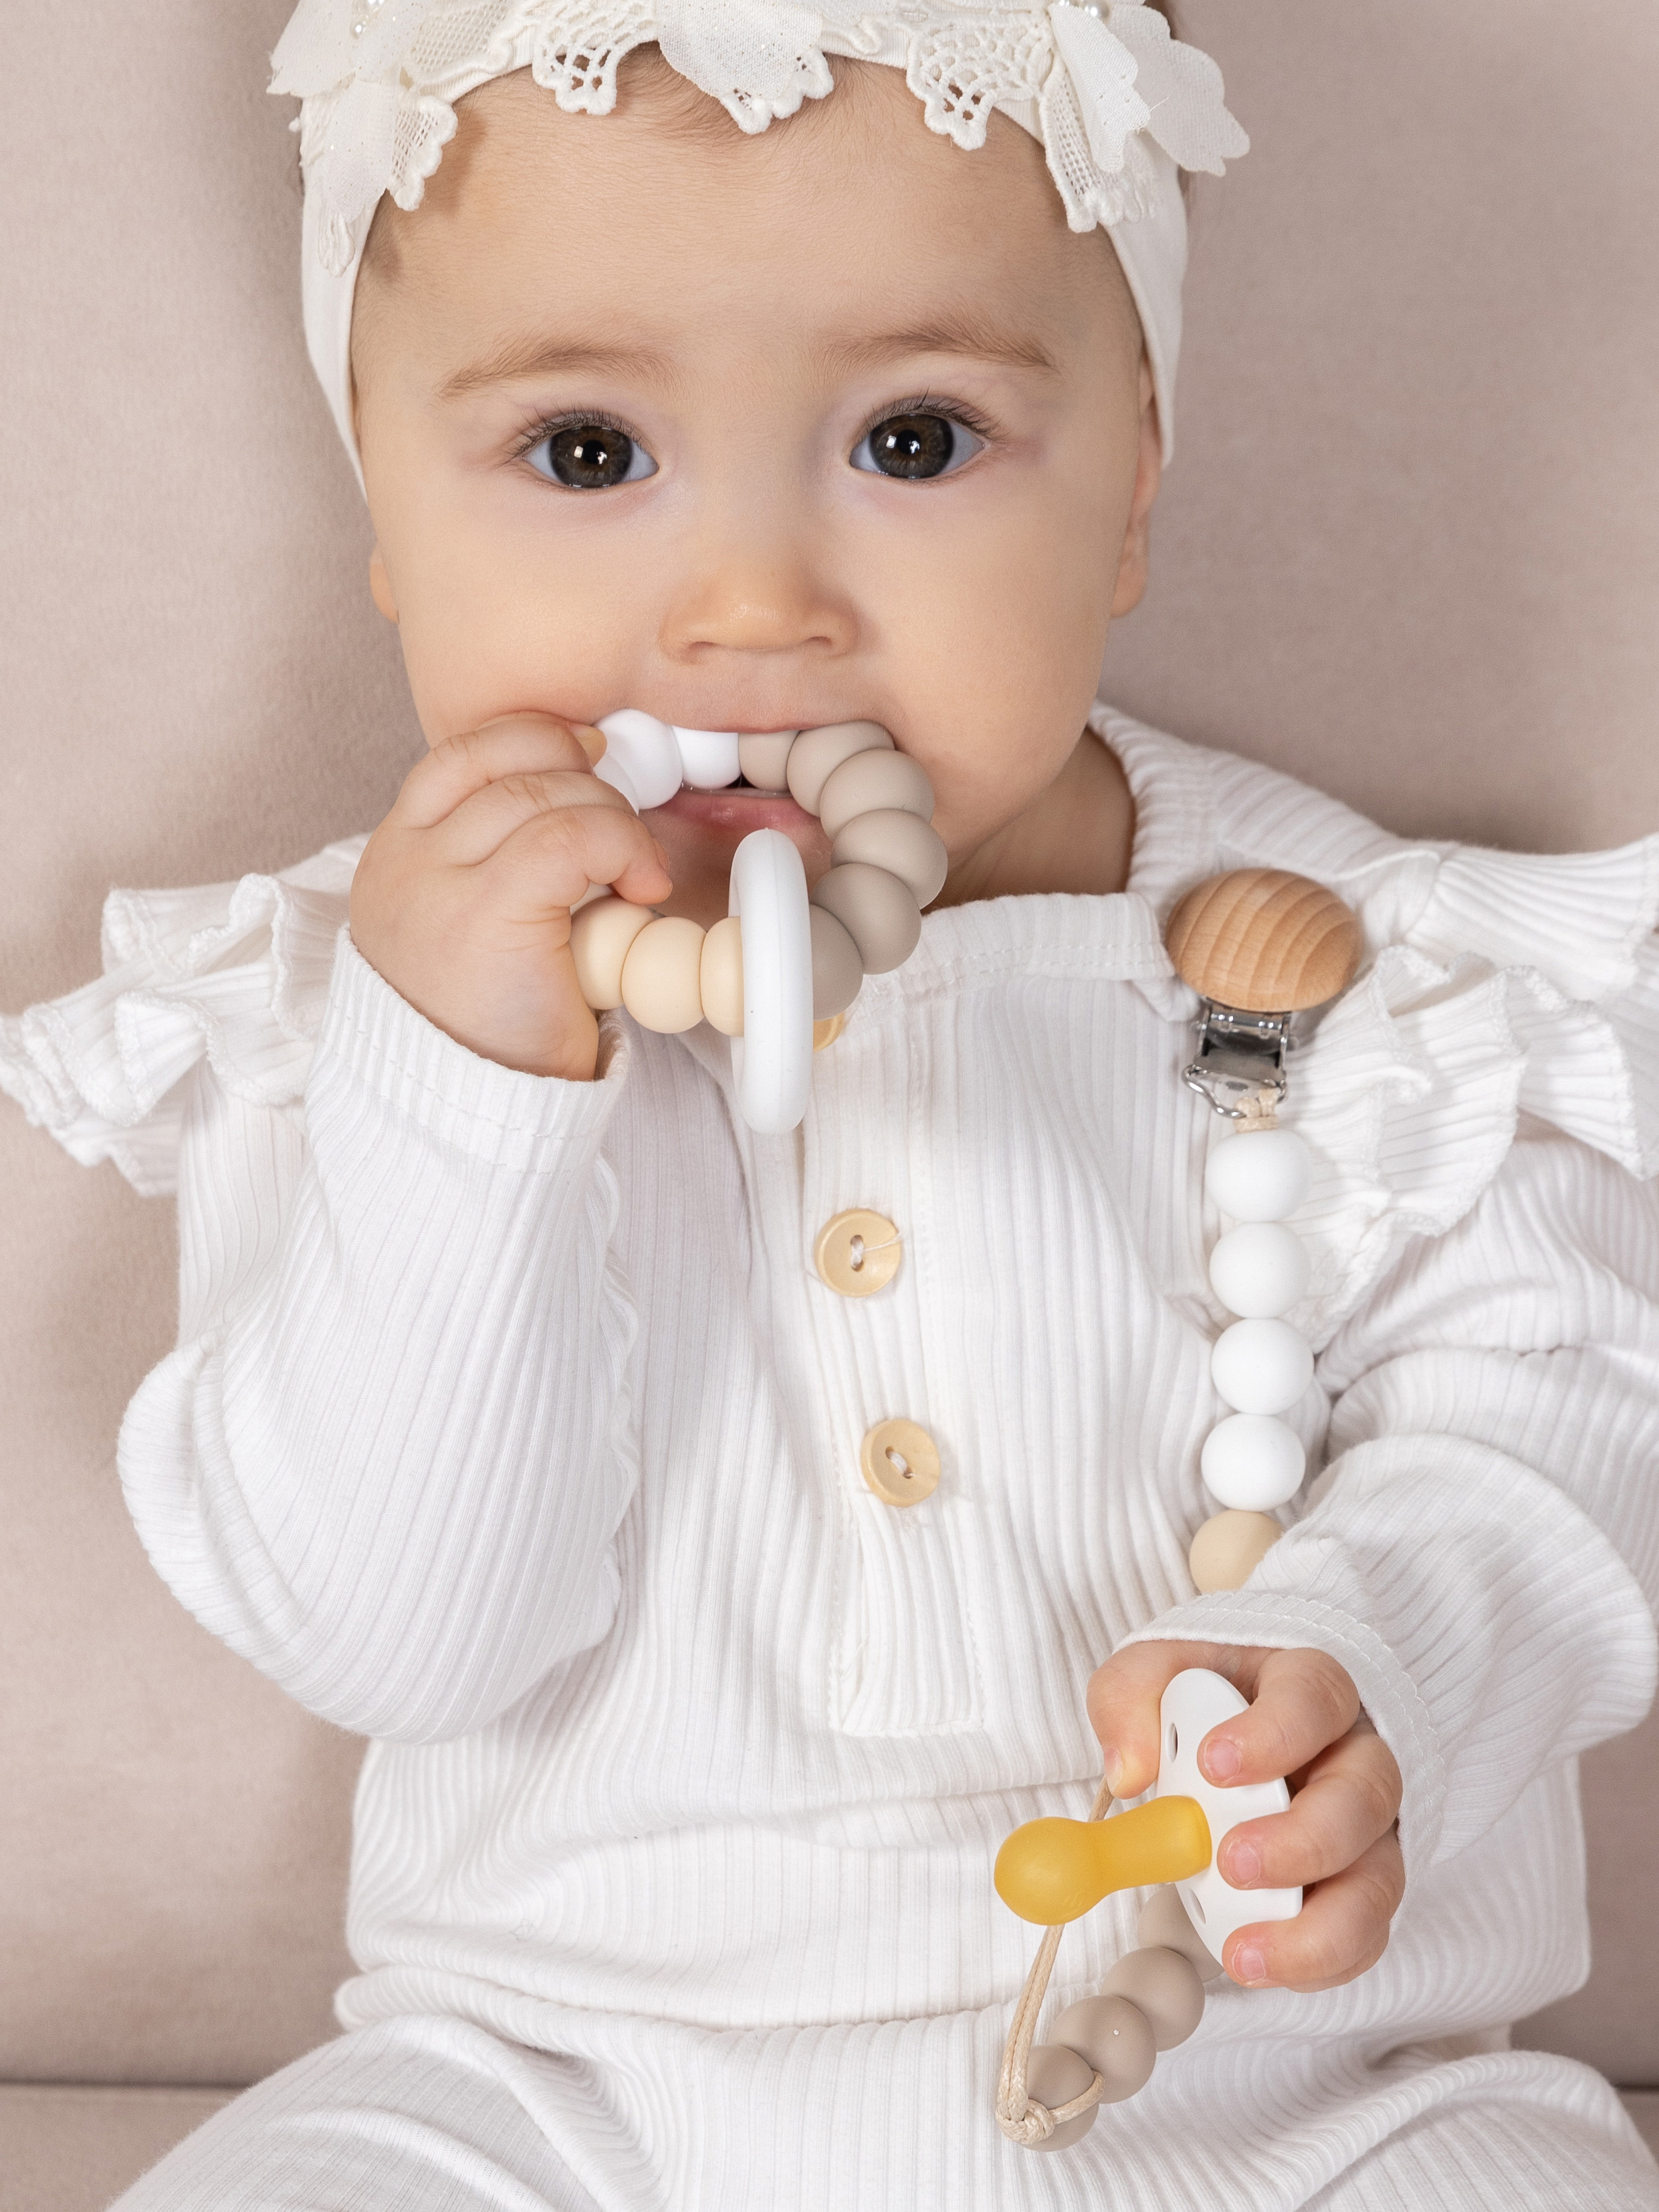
(1118, 105)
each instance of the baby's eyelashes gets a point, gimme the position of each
(588, 453)
(914, 446)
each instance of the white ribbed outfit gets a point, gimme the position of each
(511, 1425)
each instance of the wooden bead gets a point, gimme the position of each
(600, 935)
(721, 977)
(662, 978)
(837, 970)
(1115, 2038)
(1265, 941)
(1054, 2075)
(1164, 1925)
(815, 754)
(873, 781)
(1227, 1549)
(1164, 1986)
(878, 912)
(764, 760)
(902, 843)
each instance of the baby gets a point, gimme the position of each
(511, 1423)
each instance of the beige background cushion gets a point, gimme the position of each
(1410, 550)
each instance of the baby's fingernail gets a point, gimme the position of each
(1220, 1758)
(1243, 1864)
(1112, 1766)
(1249, 1966)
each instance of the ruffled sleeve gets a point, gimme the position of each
(234, 974)
(1496, 986)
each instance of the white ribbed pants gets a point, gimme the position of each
(435, 2114)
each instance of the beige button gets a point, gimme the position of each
(858, 1252)
(900, 1462)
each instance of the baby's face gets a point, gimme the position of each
(836, 422)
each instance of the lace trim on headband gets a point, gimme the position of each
(379, 80)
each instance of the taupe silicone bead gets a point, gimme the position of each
(837, 970)
(874, 782)
(903, 844)
(815, 754)
(1163, 1986)
(600, 935)
(662, 975)
(764, 760)
(878, 912)
(1113, 2036)
(1054, 2075)
(1229, 1548)
(1164, 1926)
(721, 977)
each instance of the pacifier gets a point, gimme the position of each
(780, 972)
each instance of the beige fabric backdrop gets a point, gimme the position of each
(1410, 549)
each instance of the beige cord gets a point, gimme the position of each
(1019, 2115)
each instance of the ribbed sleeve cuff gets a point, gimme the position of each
(539, 1124)
(1278, 1620)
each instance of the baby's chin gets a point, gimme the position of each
(701, 830)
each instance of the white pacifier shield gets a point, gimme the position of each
(1195, 1703)
(772, 1061)
(642, 758)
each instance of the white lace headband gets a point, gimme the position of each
(1118, 105)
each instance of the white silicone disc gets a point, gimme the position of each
(1195, 1703)
(708, 758)
(642, 758)
(772, 1061)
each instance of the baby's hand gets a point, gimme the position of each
(1338, 1839)
(462, 898)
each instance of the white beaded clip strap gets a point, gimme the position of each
(781, 966)
(1259, 946)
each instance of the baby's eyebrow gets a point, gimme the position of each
(951, 334)
(516, 358)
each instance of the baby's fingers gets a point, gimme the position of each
(550, 859)
(516, 744)
(1341, 1929)
(1302, 1701)
(1350, 1797)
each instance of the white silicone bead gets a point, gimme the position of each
(641, 758)
(662, 975)
(708, 758)
(772, 1061)
(764, 760)
(1253, 1462)
(1261, 1367)
(1261, 1176)
(1258, 1270)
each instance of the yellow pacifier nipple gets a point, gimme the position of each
(1053, 1871)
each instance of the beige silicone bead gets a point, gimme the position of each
(764, 760)
(600, 934)
(1164, 1926)
(903, 844)
(721, 977)
(661, 978)
(1113, 2036)
(877, 912)
(837, 970)
(1163, 1986)
(870, 781)
(1228, 1549)
(1054, 2075)
(817, 753)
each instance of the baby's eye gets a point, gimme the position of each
(916, 445)
(590, 457)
